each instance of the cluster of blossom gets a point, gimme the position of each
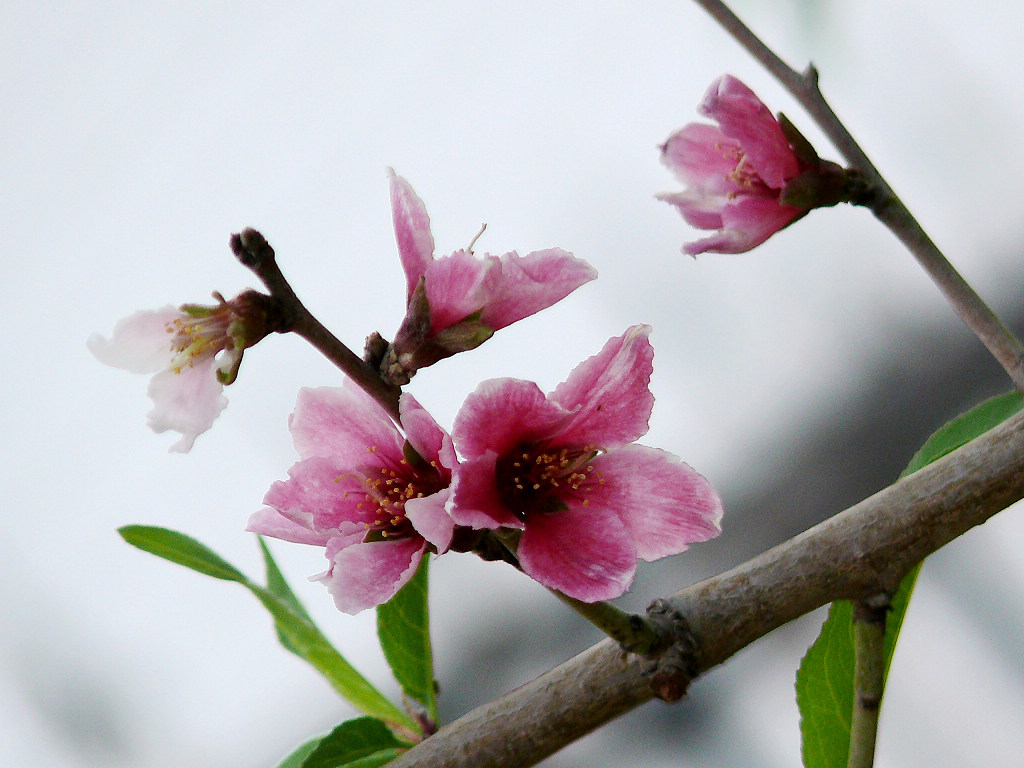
(555, 479)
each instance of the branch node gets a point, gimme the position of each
(678, 652)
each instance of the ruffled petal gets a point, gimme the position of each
(502, 414)
(584, 553)
(702, 157)
(345, 424)
(746, 223)
(367, 574)
(521, 286)
(140, 343)
(321, 496)
(455, 288)
(423, 433)
(665, 503)
(699, 210)
(609, 393)
(187, 402)
(475, 502)
(431, 520)
(412, 230)
(269, 522)
(746, 119)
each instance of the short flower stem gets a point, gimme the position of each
(253, 250)
(882, 201)
(868, 677)
(634, 633)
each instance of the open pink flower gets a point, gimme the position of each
(375, 499)
(561, 469)
(457, 302)
(735, 172)
(193, 351)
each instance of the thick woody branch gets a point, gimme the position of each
(858, 553)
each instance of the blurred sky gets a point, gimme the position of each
(137, 137)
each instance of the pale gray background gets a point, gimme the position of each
(136, 137)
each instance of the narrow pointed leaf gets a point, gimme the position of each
(824, 683)
(403, 626)
(361, 743)
(180, 549)
(278, 586)
(295, 629)
(298, 755)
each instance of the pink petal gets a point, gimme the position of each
(367, 574)
(475, 500)
(583, 552)
(345, 424)
(269, 522)
(455, 288)
(524, 285)
(321, 496)
(609, 393)
(412, 230)
(187, 402)
(746, 223)
(665, 504)
(703, 157)
(430, 519)
(140, 342)
(699, 210)
(745, 118)
(502, 414)
(423, 433)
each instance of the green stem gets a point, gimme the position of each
(253, 250)
(634, 633)
(883, 202)
(868, 677)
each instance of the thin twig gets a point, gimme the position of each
(254, 252)
(634, 633)
(883, 202)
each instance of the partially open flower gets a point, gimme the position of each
(193, 350)
(562, 470)
(373, 498)
(456, 302)
(749, 176)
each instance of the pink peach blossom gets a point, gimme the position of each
(373, 498)
(735, 172)
(562, 470)
(456, 302)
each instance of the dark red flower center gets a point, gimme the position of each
(535, 479)
(413, 478)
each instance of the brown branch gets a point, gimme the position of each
(859, 552)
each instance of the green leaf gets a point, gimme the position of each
(277, 586)
(295, 629)
(300, 753)
(361, 743)
(824, 683)
(403, 626)
(180, 549)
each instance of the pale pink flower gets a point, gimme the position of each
(456, 302)
(373, 498)
(193, 351)
(562, 469)
(736, 173)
